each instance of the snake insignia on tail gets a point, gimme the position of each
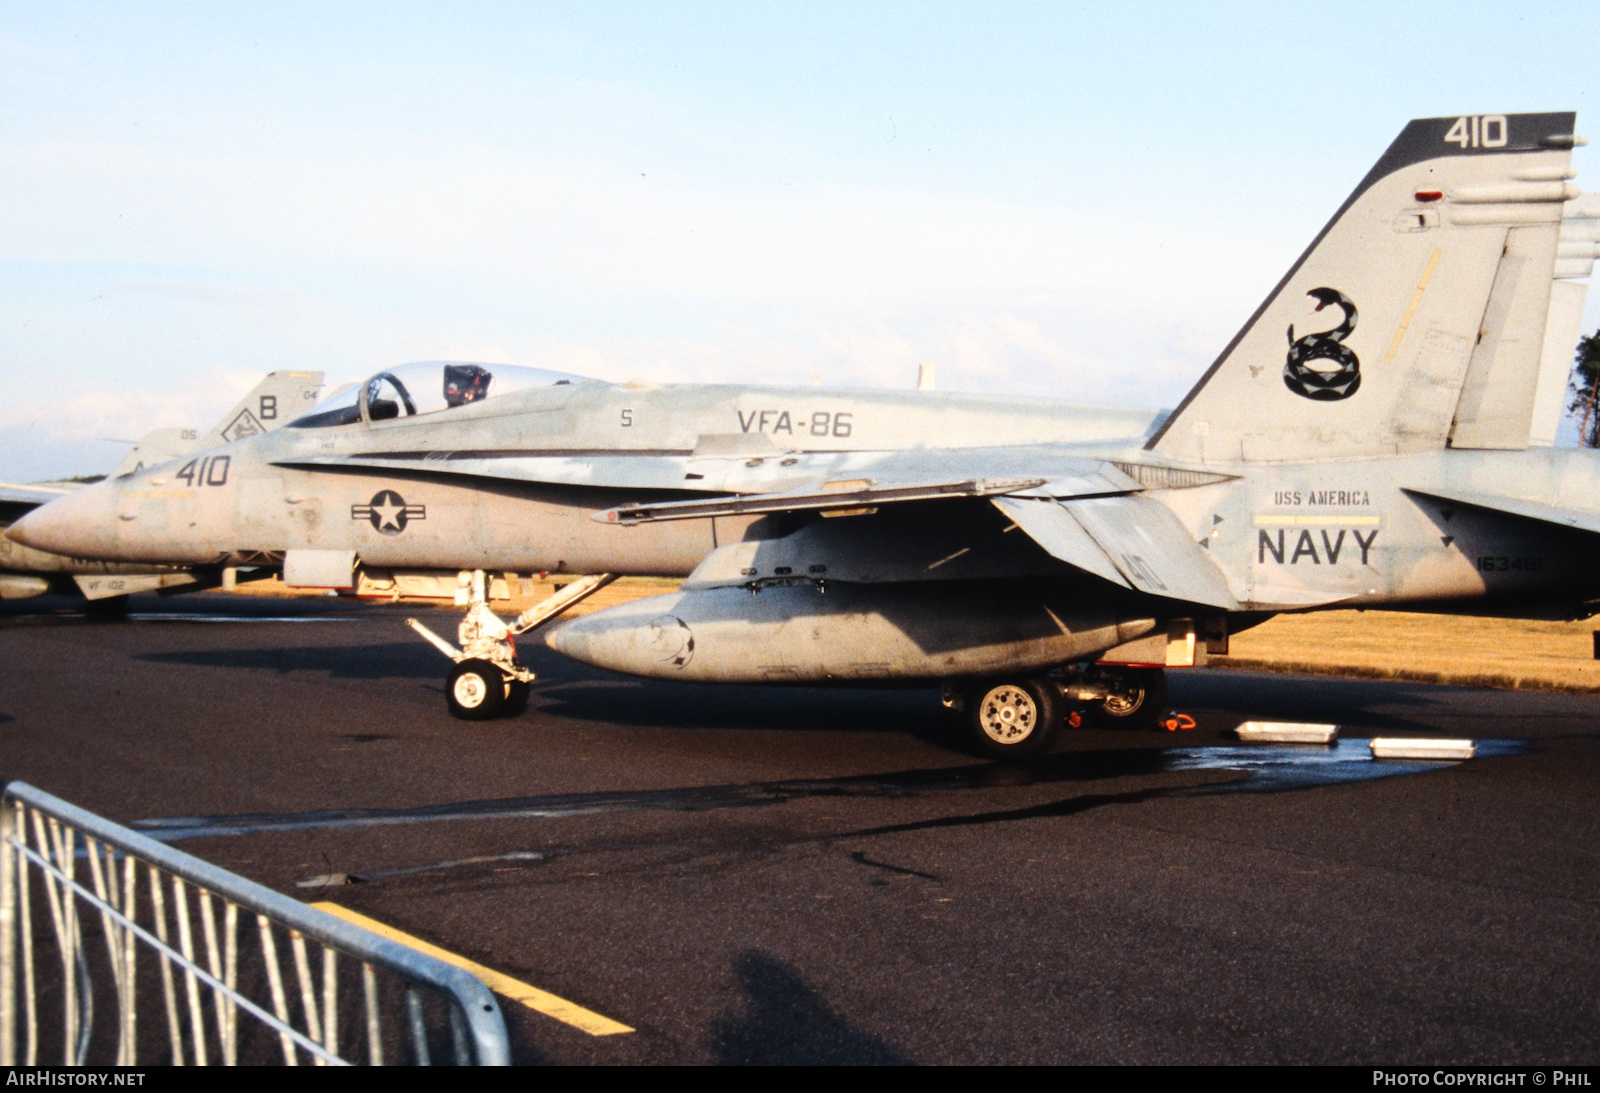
(1339, 376)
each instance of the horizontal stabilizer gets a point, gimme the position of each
(1153, 550)
(1054, 528)
(1129, 540)
(1577, 519)
(101, 587)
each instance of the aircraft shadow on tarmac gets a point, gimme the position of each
(916, 712)
(785, 1021)
(1268, 694)
(790, 709)
(397, 660)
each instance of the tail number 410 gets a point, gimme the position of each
(212, 471)
(1487, 131)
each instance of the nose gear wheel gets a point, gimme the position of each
(475, 690)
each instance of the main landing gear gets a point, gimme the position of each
(488, 681)
(1021, 717)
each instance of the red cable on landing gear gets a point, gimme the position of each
(1177, 722)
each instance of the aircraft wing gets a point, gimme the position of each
(1094, 519)
(847, 495)
(30, 495)
(1089, 480)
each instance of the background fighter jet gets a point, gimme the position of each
(25, 571)
(1371, 437)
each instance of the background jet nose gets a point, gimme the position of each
(81, 524)
(569, 639)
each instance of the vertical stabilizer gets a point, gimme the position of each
(1417, 313)
(273, 401)
(276, 399)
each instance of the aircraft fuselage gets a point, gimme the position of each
(1359, 532)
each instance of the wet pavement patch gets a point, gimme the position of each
(338, 880)
(1260, 768)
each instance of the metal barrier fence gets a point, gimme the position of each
(181, 947)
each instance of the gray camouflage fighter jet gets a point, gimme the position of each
(26, 572)
(1375, 436)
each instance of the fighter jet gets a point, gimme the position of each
(27, 572)
(1370, 438)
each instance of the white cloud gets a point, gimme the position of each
(114, 414)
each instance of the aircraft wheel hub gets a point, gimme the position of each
(470, 691)
(1008, 714)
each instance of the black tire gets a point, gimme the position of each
(475, 690)
(1137, 701)
(516, 697)
(110, 607)
(1014, 719)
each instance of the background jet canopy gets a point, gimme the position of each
(426, 387)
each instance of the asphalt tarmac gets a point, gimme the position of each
(754, 875)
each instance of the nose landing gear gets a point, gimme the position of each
(488, 680)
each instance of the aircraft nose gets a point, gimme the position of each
(81, 524)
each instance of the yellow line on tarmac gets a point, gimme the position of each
(535, 999)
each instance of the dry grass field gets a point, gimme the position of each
(1510, 654)
(1504, 653)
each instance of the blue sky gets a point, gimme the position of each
(1038, 199)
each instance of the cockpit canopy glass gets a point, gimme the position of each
(426, 387)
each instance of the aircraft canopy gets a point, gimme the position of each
(426, 387)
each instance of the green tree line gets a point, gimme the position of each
(1586, 389)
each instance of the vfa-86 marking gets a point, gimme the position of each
(816, 423)
(1023, 553)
